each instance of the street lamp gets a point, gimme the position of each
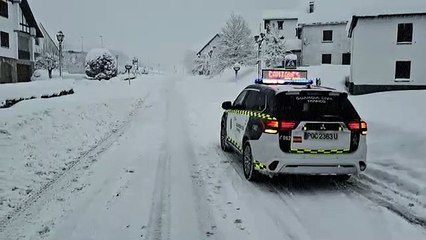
(60, 37)
(259, 40)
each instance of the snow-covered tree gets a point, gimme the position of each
(236, 45)
(48, 62)
(100, 64)
(274, 48)
(202, 65)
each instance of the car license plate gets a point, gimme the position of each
(321, 136)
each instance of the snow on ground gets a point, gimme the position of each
(309, 210)
(42, 138)
(33, 89)
(164, 175)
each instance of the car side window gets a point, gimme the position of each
(239, 102)
(255, 101)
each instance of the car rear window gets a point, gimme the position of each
(316, 106)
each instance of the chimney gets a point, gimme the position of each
(311, 6)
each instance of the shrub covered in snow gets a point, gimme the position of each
(48, 62)
(100, 64)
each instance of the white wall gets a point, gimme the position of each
(375, 51)
(9, 25)
(313, 46)
(288, 31)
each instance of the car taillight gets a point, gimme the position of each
(287, 126)
(272, 127)
(358, 127)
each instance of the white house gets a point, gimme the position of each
(18, 28)
(286, 23)
(45, 45)
(388, 52)
(208, 49)
(322, 29)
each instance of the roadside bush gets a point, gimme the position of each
(100, 64)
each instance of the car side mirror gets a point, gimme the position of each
(227, 105)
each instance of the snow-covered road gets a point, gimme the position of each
(162, 175)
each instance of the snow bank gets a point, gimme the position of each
(41, 138)
(33, 89)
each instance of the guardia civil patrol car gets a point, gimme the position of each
(282, 126)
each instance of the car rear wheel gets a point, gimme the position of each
(223, 138)
(248, 164)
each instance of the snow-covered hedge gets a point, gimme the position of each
(100, 64)
(10, 94)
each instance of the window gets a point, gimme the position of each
(267, 24)
(255, 101)
(37, 41)
(327, 36)
(403, 70)
(326, 59)
(280, 25)
(4, 38)
(316, 107)
(405, 33)
(4, 9)
(346, 59)
(311, 7)
(239, 102)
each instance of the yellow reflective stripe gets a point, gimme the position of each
(253, 114)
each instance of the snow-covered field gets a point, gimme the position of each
(115, 161)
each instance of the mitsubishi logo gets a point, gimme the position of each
(323, 127)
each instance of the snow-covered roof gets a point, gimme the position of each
(280, 14)
(355, 18)
(332, 11)
(217, 35)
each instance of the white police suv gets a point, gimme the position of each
(293, 127)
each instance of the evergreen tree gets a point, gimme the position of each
(274, 48)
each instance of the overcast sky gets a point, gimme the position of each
(156, 30)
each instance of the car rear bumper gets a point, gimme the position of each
(273, 161)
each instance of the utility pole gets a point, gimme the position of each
(102, 41)
(82, 44)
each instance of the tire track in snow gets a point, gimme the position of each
(159, 220)
(63, 180)
(367, 191)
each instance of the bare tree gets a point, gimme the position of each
(47, 61)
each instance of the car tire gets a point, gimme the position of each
(223, 138)
(249, 170)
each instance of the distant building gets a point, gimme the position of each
(209, 48)
(324, 35)
(45, 45)
(74, 62)
(286, 23)
(17, 32)
(389, 52)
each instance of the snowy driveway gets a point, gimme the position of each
(162, 175)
